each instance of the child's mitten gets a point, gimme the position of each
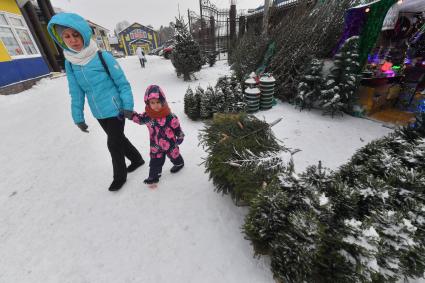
(136, 119)
(179, 140)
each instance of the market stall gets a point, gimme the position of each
(393, 79)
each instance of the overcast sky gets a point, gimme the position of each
(108, 13)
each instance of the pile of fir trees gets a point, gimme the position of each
(235, 143)
(336, 93)
(362, 223)
(310, 28)
(225, 97)
(248, 54)
(186, 55)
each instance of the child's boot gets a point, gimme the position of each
(151, 180)
(154, 175)
(178, 164)
(176, 168)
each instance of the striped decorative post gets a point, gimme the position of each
(252, 96)
(267, 91)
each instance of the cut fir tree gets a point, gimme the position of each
(232, 141)
(362, 223)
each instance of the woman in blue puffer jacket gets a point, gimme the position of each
(98, 77)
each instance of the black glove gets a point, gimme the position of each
(128, 114)
(83, 126)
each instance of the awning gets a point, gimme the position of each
(406, 6)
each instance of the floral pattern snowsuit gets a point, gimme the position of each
(164, 131)
(165, 134)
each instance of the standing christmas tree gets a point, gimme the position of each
(310, 85)
(186, 56)
(338, 93)
(240, 105)
(230, 99)
(205, 110)
(188, 100)
(221, 83)
(220, 101)
(195, 109)
(330, 99)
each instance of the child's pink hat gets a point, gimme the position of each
(154, 92)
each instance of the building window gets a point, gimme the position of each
(10, 42)
(2, 20)
(16, 22)
(16, 37)
(28, 44)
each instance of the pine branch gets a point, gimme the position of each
(261, 129)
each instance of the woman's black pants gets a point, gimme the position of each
(119, 146)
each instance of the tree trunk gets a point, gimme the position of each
(186, 77)
(266, 17)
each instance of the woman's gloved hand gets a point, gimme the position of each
(83, 127)
(128, 114)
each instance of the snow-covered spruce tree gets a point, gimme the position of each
(294, 249)
(387, 180)
(205, 107)
(240, 105)
(222, 82)
(219, 101)
(363, 223)
(228, 137)
(194, 109)
(338, 92)
(229, 97)
(186, 55)
(284, 222)
(330, 100)
(188, 100)
(310, 85)
(294, 222)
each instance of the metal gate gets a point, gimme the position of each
(215, 29)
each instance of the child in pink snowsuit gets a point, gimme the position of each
(164, 131)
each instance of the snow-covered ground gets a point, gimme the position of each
(58, 222)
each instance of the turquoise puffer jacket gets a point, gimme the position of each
(106, 94)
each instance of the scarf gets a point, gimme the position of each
(164, 112)
(84, 56)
